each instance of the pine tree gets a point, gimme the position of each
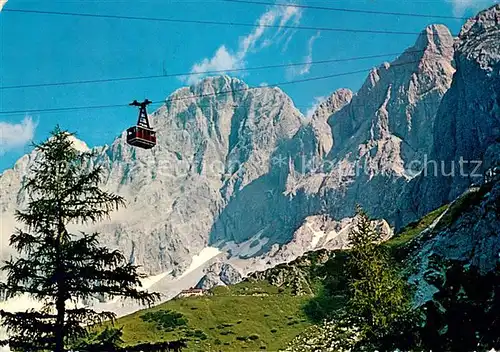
(59, 268)
(378, 298)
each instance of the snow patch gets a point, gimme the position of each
(248, 248)
(317, 235)
(151, 280)
(201, 258)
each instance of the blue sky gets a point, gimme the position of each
(40, 48)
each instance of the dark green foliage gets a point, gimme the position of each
(324, 305)
(330, 282)
(199, 334)
(166, 346)
(465, 314)
(106, 340)
(378, 298)
(55, 266)
(165, 319)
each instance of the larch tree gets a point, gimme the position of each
(59, 268)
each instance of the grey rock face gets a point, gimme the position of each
(378, 136)
(209, 280)
(229, 275)
(471, 235)
(319, 123)
(241, 167)
(468, 121)
(209, 149)
(219, 274)
(379, 131)
(317, 232)
(394, 110)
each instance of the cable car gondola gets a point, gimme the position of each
(141, 135)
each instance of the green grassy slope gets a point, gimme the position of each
(269, 309)
(399, 243)
(247, 316)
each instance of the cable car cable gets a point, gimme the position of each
(207, 22)
(184, 74)
(339, 9)
(166, 101)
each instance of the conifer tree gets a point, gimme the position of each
(59, 268)
(378, 297)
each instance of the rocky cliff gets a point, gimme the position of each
(209, 149)
(219, 274)
(468, 232)
(467, 128)
(242, 170)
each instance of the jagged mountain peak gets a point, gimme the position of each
(468, 122)
(212, 87)
(398, 100)
(436, 37)
(333, 103)
(79, 145)
(479, 39)
(224, 92)
(319, 120)
(222, 88)
(483, 21)
(433, 50)
(217, 83)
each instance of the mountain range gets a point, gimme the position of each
(239, 176)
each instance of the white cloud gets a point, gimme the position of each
(14, 135)
(222, 60)
(302, 70)
(461, 6)
(290, 13)
(314, 106)
(289, 35)
(293, 15)
(225, 59)
(2, 4)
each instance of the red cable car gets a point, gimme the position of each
(141, 135)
